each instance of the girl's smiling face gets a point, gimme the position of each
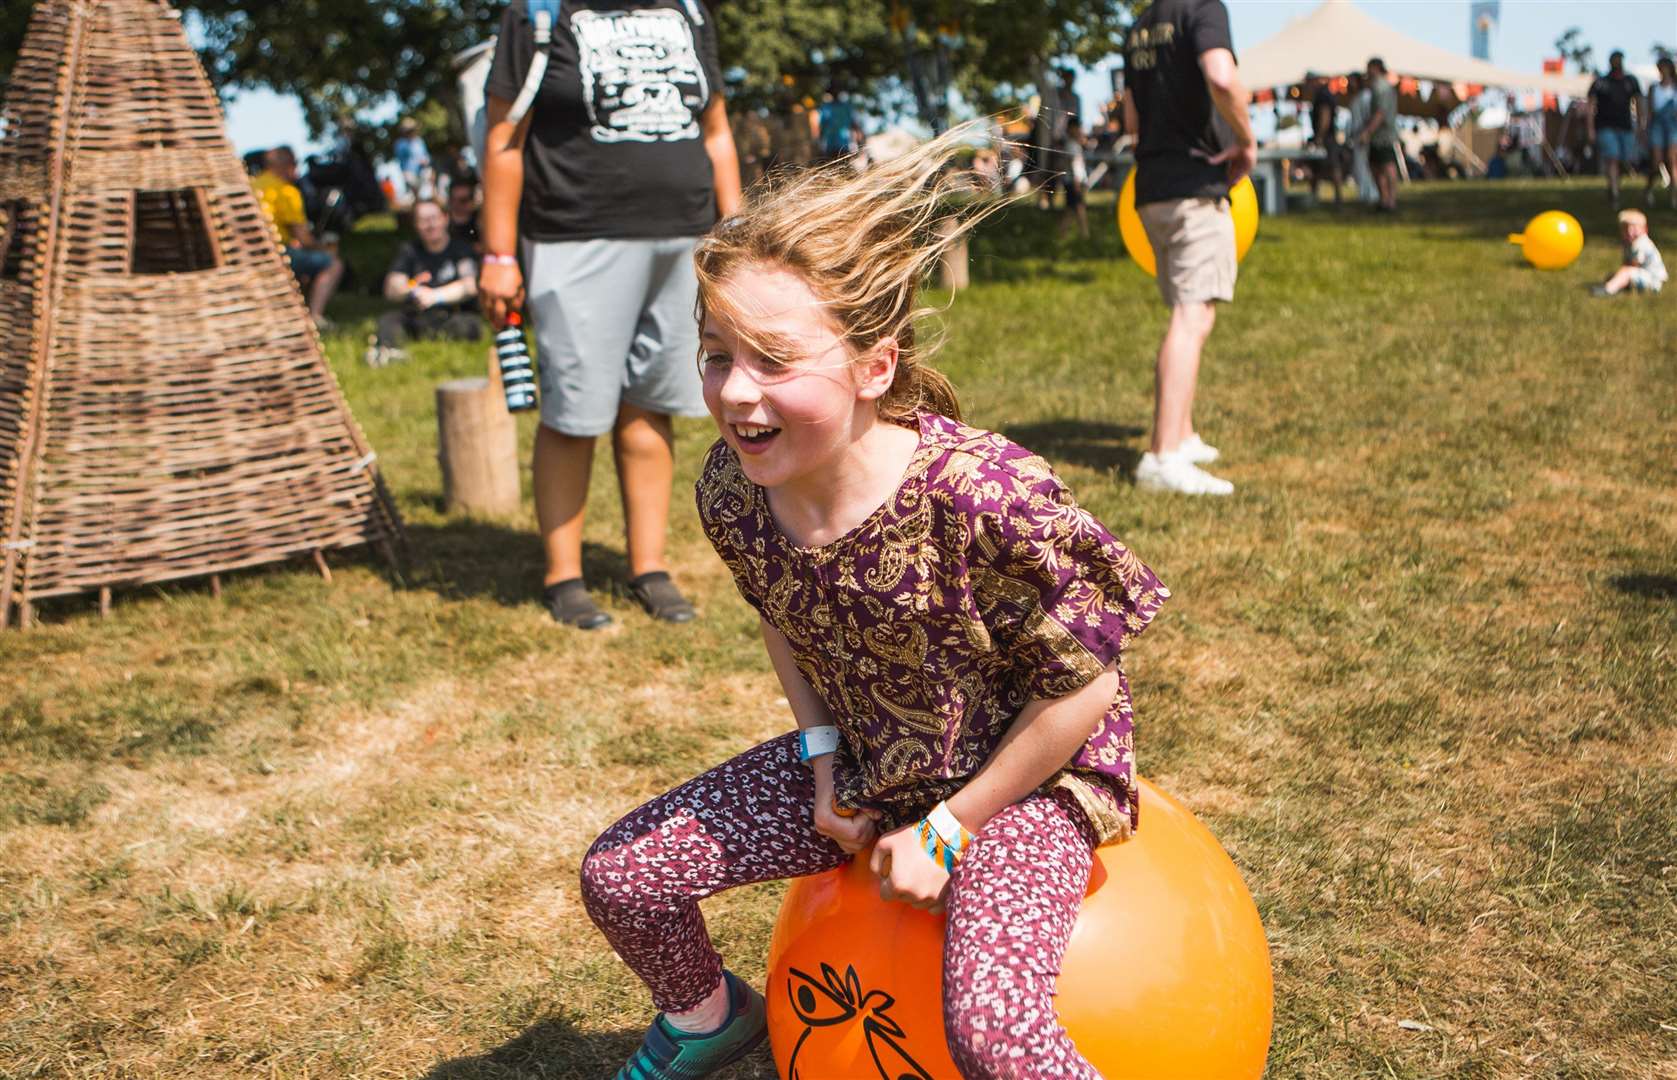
(788, 393)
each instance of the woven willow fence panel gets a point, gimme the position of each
(165, 409)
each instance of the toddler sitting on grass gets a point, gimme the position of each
(1642, 269)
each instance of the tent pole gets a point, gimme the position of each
(1555, 160)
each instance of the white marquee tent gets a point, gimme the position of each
(1338, 37)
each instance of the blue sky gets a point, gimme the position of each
(1526, 35)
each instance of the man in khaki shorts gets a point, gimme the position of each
(1179, 63)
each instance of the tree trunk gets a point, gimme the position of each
(952, 271)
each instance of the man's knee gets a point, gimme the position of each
(1196, 318)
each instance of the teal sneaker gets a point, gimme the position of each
(668, 1054)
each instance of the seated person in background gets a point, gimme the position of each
(434, 278)
(1641, 270)
(318, 269)
(462, 214)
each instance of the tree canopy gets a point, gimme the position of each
(342, 57)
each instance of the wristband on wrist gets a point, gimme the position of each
(815, 741)
(492, 259)
(944, 839)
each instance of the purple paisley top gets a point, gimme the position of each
(979, 586)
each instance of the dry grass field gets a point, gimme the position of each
(1418, 677)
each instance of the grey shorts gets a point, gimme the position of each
(1193, 244)
(613, 324)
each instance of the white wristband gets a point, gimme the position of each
(948, 828)
(815, 741)
(492, 259)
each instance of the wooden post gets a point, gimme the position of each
(215, 586)
(390, 556)
(952, 272)
(104, 601)
(477, 448)
(320, 564)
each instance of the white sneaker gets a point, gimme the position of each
(1173, 472)
(383, 355)
(1196, 450)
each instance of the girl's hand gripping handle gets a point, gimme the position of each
(906, 873)
(853, 831)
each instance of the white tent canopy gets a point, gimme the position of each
(1338, 37)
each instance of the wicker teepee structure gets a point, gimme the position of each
(165, 410)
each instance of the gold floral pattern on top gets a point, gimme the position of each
(979, 586)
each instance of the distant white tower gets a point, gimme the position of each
(1483, 19)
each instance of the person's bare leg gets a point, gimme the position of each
(1671, 175)
(1620, 280)
(560, 471)
(1613, 180)
(1176, 375)
(1386, 181)
(644, 443)
(324, 285)
(1083, 221)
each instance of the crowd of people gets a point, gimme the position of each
(433, 278)
(1618, 126)
(599, 209)
(1621, 121)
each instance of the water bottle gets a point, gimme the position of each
(518, 375)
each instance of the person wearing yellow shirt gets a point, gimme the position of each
(317, 268)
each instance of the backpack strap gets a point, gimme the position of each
(543, 14)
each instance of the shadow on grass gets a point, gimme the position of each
(468, 558)
(1476, 211)
(1647, 586)
(85, 605)
(554, 1049)
(1007, 271)
(1090, 443)
(1024, 244)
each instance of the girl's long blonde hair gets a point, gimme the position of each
(862, 242)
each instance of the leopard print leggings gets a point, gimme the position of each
(1012, 901)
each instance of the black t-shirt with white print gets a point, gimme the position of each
(1162, 72)
(614, 148)
(442, 267)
